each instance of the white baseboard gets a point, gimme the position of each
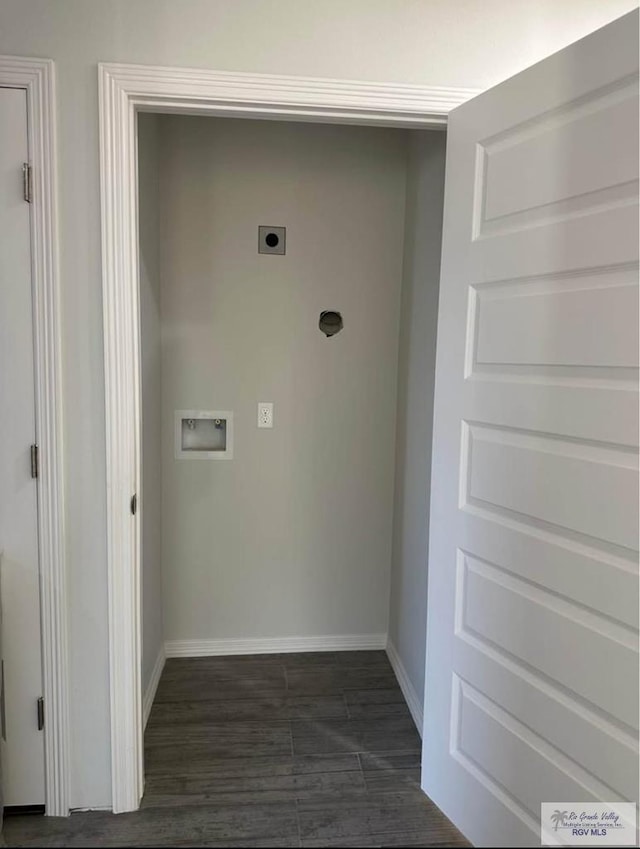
(274, 645)
(408, 690)
(150, 692)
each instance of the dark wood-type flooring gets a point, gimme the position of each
(270, 750)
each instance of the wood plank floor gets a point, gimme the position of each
(270, 750)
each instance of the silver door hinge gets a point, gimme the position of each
(27, 182)
(35, 465)
(40, 709)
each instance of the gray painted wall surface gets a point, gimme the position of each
(292, 537)
(416, 370)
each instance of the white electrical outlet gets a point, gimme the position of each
(265, 414)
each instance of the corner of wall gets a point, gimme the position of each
(416, 373)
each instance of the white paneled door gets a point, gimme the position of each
(532, 646)
(21, 746)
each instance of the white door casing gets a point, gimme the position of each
(22, 749)
(125, 89)
(532, 648)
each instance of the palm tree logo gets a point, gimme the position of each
(559, 817)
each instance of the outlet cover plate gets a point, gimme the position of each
(265, 414)
(272, 240)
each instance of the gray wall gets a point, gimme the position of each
(148, 223)
(416, 368)
(435, 42)
(292, 537)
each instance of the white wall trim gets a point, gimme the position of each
(408, 690)
(274, 645)
(152, 686)
(37, 77)
(235, 94)
(125, 89)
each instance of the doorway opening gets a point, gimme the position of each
(32, 573)
(307, 544)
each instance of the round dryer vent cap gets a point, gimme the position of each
(330, 322)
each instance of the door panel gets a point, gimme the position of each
(21, 753)
(532, 646)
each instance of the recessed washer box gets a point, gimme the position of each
(203, 435)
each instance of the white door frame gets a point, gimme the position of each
(36, 76)
(125, 90)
